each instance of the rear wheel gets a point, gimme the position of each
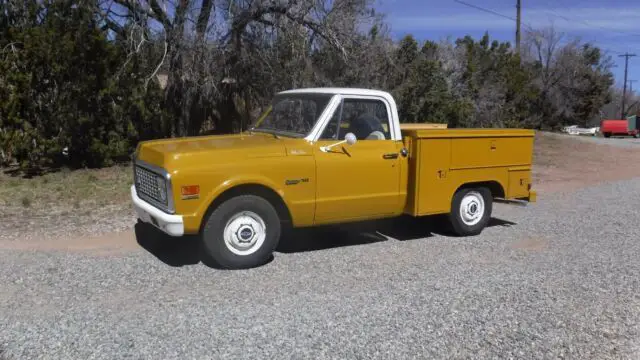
(607, 135)
(241, 233)
(470, 211)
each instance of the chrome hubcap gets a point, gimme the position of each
(244, 233)
(472, 208)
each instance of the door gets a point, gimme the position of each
(362, 180)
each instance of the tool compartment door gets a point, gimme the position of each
(429, 178)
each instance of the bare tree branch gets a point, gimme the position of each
(164, 55)
(155, 12)
(203, 18)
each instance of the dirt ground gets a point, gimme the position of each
(67, 211)
(564, 163)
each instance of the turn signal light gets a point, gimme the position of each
(190, 190)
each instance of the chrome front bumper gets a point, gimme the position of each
(170, 224)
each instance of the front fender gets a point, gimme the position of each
(193, 223)
(237, 181)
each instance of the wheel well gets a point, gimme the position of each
(252, 189)
(497, 191)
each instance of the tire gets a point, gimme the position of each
(607, 135)
(241, 233)
(478, 199)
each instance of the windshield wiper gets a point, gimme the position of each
(267, 131)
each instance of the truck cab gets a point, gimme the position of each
(359, 181)
(324, 156)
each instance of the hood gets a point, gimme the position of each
(210, 149)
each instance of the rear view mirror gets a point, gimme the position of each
(350, 138)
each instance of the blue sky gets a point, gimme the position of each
(613, 25)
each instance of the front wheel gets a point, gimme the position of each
(470, 211)
(241, 233)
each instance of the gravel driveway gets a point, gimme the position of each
(558, 278)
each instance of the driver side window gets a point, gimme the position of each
(367, 119)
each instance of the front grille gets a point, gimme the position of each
(147, 185)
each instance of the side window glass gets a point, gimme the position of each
(366, 119)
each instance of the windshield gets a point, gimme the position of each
(292, 114)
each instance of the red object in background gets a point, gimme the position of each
(617, 127)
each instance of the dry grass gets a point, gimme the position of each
(66, 191)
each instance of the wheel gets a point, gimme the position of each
(470, 211)
(607, 135)
(241, 233)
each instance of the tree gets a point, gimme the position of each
(213, 66)
(574, 81)
(57, 77)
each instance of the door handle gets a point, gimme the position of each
(390, 156)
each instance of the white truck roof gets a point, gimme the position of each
(391, 103)
(338, 90)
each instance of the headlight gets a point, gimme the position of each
(162, 188)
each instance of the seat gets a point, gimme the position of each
(367, 126)
(376, 135)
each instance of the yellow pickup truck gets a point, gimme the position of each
(324, 156)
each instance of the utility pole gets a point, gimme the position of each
(518, 20)
(624, 91)
(631, 91)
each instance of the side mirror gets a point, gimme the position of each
(350, 138)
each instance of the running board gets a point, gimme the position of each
(510, 202)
